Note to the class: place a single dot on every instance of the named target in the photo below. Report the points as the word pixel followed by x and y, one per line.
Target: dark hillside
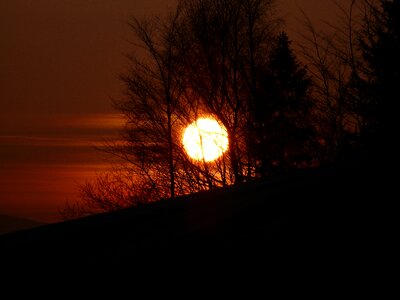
pixel 327 215
pixel 11 223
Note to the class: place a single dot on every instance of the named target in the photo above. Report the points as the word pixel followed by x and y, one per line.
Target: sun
pixel 205 139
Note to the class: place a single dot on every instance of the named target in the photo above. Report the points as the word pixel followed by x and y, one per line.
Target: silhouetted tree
pixel 210 57
pixel 334 64
pixel 150 106
pixel 355 72
pixel 159 104
pixel 380 84
pixel 228 41
pixel 281 112
pixel 158 107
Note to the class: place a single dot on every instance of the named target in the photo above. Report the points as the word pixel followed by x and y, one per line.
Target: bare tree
pixel 208 58
pixel 335 64
pixel 151 102
pixel 228 41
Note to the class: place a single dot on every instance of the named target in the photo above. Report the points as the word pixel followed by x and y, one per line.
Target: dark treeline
pixel 326 103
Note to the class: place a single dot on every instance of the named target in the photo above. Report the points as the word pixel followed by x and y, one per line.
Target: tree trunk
pixel 170 151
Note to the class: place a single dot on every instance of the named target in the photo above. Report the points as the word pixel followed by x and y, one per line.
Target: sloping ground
pixel 11 223
pixel 326 215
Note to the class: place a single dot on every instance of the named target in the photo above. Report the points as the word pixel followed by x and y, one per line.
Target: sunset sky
pixel 59 67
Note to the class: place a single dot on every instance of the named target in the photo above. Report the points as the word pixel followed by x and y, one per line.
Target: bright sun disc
pixel 205 139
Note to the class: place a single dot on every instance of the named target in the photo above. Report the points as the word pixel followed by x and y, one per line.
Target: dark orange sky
pixel 59 67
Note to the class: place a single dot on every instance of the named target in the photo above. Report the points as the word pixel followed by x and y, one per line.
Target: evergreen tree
pixel 380 44
pixel 281 112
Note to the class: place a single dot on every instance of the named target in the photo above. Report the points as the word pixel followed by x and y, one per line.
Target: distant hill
pixel 10 224
pixel 326 217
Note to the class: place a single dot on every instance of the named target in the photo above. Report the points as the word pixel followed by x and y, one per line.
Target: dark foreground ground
pixel 329 217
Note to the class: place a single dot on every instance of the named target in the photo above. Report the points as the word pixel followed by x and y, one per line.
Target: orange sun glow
pixel 205 139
